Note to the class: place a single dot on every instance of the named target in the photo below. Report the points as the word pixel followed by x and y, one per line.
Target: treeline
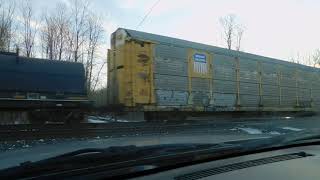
pixel 68 31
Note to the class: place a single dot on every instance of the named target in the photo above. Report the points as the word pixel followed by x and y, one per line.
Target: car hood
pixel 46 150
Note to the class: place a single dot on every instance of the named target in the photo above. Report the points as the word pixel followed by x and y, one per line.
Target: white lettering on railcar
pixel 200 63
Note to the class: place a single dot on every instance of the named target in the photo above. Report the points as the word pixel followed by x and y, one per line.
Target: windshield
pixel 81 74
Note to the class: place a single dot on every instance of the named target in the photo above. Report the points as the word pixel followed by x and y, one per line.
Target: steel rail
pixel 50 131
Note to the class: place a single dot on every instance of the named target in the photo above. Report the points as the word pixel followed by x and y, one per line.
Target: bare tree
pixel 74 35
pixel 55 32
pixel 296 59
pixel 316 57
pixel 228 24
pixel 308 60
pixel 62 22
pixel 232 31
pixel 239 34
pixel 79 13
pixel 7 10
pixel 68 32
pixel 97 77
pixel 85 38
pixel 29 28
pixel 48 37
pixel 94 36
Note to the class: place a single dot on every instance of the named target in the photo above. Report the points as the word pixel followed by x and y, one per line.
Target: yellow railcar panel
pixel 142 73
pixel 134 73
pixel 111 87
pixel 124 75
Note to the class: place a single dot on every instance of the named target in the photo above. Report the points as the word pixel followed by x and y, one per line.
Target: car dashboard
pixel 294 163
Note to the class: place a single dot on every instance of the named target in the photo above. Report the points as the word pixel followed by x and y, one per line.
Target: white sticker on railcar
pixel 200 63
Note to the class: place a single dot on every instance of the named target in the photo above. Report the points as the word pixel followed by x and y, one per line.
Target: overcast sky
pixel 274 28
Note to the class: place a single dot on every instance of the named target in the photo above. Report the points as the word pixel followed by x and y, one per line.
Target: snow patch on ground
pixel 274 133
pixel 121 120
pixel 26 146
pixel 251 130
pixel 99 119
pixel 292 129
pixel 96 121
pixel 106 119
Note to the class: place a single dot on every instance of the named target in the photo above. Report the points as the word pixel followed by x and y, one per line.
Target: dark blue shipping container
pixel 20 74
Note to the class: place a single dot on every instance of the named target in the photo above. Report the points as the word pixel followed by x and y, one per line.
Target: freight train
pixel 164 76
pixel 38 90
pixel 155 77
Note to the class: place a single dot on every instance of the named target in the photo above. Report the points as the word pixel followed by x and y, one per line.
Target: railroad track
pixel 50 131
